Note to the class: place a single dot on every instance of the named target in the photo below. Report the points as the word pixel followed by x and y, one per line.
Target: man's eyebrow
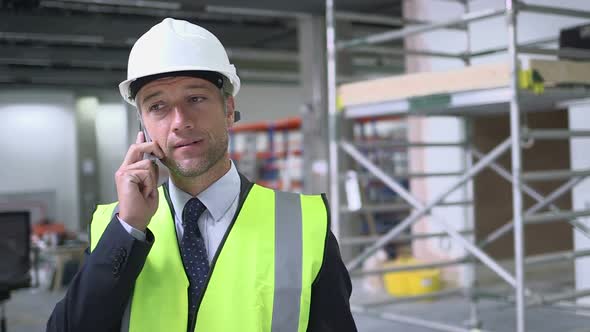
pixel 188 87
pixel 197 86
pixel 155 94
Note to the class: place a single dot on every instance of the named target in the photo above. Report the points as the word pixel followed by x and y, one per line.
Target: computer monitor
pixel 15 246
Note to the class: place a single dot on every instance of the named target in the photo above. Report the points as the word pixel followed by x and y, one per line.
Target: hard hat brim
pixel 126 93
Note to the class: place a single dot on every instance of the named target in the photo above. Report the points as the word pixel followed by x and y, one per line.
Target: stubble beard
pixel 212 157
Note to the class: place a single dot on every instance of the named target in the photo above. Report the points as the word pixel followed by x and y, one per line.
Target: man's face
pixel 185 116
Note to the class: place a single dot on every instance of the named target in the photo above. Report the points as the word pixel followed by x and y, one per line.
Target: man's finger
pixel 136 151
pixel 133 154
pixel 144 164
pixel 143 179
pixel 150 183
pixel 140 137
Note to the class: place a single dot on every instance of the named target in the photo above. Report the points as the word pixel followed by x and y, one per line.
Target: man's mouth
pixel 183 144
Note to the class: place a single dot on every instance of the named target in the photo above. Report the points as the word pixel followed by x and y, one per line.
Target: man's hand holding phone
pixel 137 181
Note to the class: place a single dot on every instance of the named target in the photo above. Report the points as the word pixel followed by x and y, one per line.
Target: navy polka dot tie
pixel 194 253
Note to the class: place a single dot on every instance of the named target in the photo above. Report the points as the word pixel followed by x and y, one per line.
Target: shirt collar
pixel 217 198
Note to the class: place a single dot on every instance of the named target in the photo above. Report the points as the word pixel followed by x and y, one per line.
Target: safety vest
pixel 260 279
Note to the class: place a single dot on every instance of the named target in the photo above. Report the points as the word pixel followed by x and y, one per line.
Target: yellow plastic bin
pixel 411 283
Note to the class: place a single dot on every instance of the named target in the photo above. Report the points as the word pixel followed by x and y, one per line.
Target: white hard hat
pixel 173 46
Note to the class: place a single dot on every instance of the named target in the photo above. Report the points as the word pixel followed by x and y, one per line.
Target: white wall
pixel 111 140
pixel 38 148
pixel 261 102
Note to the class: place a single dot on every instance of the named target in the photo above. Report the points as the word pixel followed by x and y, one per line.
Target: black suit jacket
pixel 97 296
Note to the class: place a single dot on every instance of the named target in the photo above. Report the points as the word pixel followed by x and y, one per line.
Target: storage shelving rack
pixel 270 154
pixel 379 208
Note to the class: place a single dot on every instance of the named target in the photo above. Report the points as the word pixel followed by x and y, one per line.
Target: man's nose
pixel 181 120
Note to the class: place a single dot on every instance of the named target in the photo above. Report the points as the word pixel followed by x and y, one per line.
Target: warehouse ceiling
pixel 86 42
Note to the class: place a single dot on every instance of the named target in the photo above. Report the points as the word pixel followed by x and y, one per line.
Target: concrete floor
pixel 493 315
pixel 28 310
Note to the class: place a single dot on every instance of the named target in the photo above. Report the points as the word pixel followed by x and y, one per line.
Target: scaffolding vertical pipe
pixel 516 158
pixel 332 120
pixel 470 281
pixel 474 321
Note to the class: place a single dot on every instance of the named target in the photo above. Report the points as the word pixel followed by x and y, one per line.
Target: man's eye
pixel 156 107
pixel 196 99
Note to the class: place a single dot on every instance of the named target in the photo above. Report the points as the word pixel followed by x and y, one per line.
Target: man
pixel 208 250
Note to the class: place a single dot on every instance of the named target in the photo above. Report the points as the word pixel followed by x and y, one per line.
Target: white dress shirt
pixel 221 201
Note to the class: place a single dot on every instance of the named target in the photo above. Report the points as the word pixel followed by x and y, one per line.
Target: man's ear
pixel 230 106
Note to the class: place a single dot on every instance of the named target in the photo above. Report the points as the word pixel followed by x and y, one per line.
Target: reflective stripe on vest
pixel 288 252
pixel 260 281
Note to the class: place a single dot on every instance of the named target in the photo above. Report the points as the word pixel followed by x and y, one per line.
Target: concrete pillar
pixel 350 225
pixel 88 179
pixel 312 62
pixel 312 53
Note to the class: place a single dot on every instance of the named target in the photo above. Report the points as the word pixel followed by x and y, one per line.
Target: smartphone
pixel 147 138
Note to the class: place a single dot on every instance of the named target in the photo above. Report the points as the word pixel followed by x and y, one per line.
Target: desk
pixel 62 254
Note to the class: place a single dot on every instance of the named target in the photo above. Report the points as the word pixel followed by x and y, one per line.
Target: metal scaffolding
pixel 500 99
